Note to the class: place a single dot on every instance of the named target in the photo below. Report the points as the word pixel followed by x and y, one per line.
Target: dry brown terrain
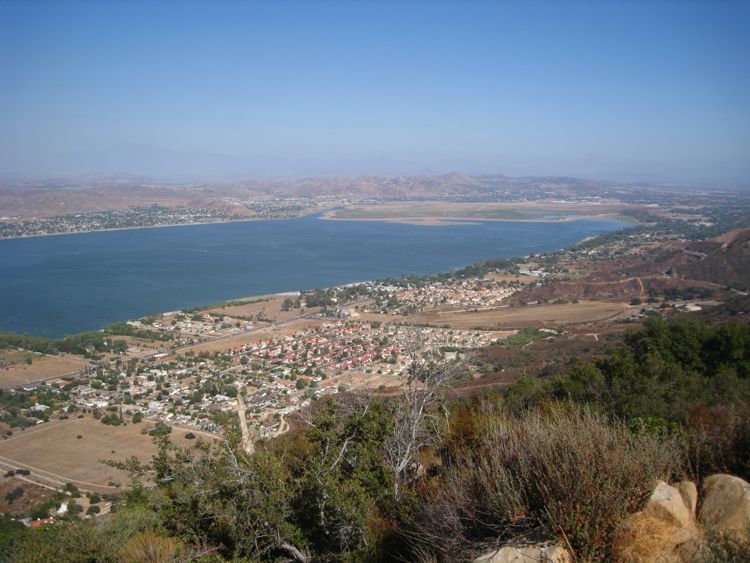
pixel 55 456
pixel 14 369
pixel 510 317
pixel 520 278
pixel 270 307
pixel 33 495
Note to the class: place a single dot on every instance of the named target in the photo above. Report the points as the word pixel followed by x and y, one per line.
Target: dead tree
pixel 419 416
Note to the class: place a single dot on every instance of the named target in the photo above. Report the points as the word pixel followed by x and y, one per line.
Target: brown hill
pixel 723 260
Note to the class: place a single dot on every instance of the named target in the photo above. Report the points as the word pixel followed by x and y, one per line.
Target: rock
pixel 726 505
pixel 668 503
pixel 540 553
pixel 689 493
pixel 665 530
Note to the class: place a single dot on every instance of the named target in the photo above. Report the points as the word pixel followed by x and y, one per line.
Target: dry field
pixel 270 307
pixel 33 495
pixel 510 317
pixel 138 347
pixel 221 344
pixel 359 381
pixel 55 456
pixel 520 278
pixel 14 369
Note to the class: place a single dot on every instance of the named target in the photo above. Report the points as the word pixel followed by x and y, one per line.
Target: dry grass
pixel 506 317
pixel 270 307
pixel 520 278
pixel 147 547
pixel 33 495
pixel 643 537
pixel 56 456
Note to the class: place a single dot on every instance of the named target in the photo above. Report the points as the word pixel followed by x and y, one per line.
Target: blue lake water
pixel 51 286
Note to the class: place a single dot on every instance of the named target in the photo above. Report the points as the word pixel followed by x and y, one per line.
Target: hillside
pixel 724 260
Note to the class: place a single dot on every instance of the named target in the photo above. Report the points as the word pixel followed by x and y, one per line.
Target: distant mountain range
pixel 29 197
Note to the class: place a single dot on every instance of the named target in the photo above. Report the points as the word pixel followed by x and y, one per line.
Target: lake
pixel 51 286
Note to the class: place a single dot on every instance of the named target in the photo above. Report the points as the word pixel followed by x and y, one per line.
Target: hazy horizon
pixel 632 92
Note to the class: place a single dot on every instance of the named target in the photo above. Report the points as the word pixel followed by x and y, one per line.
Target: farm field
pixel 55 456
pixel 510 317
pixel 15 369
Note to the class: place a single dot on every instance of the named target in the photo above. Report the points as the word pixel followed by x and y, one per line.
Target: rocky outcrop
pixel 666 530
pixel 537 553
pixel 725 505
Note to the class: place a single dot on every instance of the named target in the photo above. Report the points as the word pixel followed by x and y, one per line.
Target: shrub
pixel 718 439
pixel 721 547
pixel 14 495
pixel 93 509
pixel 561 469
pixel 190 436
pixel 160 429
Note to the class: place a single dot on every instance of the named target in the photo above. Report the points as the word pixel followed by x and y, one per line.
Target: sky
pixel 627 91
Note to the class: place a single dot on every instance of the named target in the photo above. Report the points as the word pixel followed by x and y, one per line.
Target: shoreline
pixel 329 214
pixel 164 226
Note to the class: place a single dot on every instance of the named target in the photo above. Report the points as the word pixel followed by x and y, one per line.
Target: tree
pixel 72 489
pixel 160 429
pixel 418 416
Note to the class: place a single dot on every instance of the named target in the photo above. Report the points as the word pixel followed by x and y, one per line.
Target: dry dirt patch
pixel 270 307
pixel 54 454
pixel 33 495
pixel 15 369
pixel 510 317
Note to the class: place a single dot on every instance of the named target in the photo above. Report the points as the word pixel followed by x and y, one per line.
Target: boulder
pixel 665 530
pixel 538 553
pixel 669 504
pixel 689 493
pixel 726 505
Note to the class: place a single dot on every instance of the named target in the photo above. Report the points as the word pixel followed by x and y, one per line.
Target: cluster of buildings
pixel 473 293
pixel 143 216
pixel 276 376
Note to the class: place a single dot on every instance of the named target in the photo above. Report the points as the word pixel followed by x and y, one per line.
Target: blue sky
pixel 635 90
